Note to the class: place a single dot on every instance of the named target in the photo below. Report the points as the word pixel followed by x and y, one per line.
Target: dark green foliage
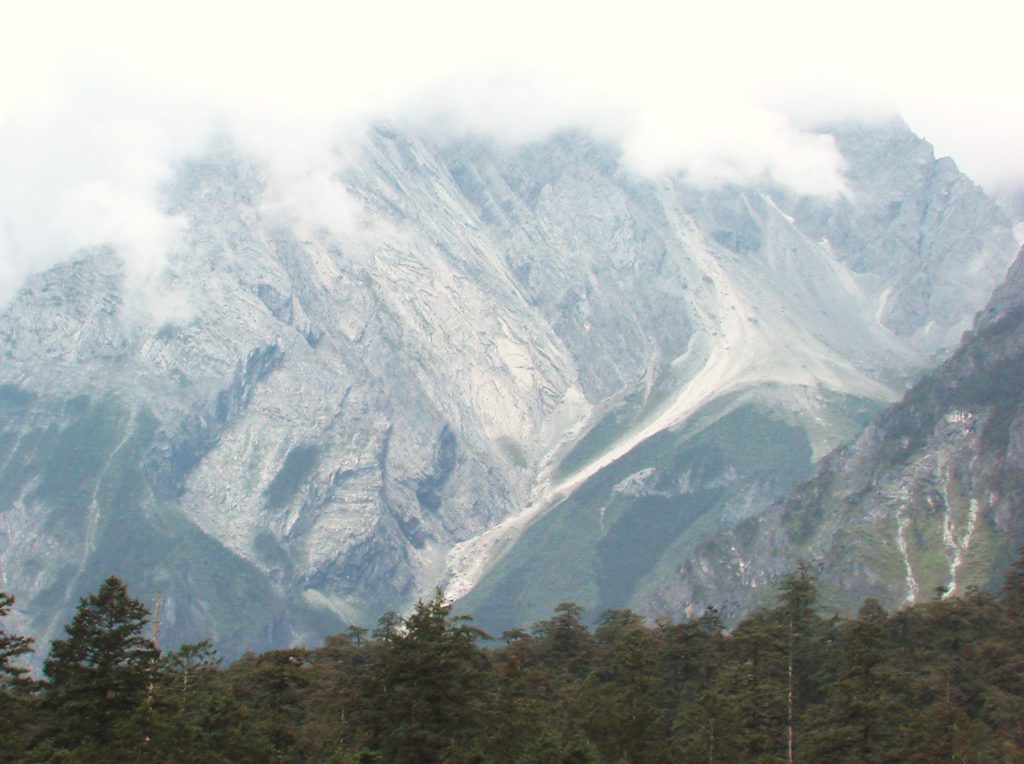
pixel 943 732
pixel 100 674
pixel 565 640
pixel 941 681
pixel 276 684
pixel 604 559
pixel 13 685
pixel 11 647
pixel 430 677
pixel 622 705
pixel 709 731
pixel 861 711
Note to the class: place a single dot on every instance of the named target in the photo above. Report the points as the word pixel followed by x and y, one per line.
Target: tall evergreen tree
pixel 709 731
pixel 102 671
pixel 620 701
pixel 943 732
pixel 431 679
pixel 797 597
pixel 13 708
pixel 752 683
pixel 11 646
pixel 563 640
pixel 866 704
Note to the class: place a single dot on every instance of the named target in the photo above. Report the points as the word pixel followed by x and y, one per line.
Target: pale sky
pixel 99 100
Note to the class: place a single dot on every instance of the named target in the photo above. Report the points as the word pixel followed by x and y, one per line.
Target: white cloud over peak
pixel 98 101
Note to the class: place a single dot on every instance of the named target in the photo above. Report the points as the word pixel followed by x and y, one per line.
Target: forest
pixel 937 681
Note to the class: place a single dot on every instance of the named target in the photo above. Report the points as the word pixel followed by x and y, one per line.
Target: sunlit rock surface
pixel 293 431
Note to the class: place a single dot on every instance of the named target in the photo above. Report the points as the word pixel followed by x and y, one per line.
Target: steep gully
pixel 741 348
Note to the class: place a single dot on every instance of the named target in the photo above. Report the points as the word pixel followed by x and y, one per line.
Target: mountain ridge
pixel 329 413
pixel 932 489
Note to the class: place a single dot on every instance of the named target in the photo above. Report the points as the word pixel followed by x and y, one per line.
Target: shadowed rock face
pixel 928 499
pixel 308 439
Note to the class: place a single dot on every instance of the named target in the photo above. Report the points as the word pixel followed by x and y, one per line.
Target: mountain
pixel 749 425
pixel 927 501
pixel 299 429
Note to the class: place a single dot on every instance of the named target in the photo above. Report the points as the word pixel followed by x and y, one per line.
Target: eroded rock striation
pixel 299 429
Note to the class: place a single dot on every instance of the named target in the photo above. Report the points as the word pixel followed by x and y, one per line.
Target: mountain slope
pixel 930 497
pixel 308 428
pixel 784 314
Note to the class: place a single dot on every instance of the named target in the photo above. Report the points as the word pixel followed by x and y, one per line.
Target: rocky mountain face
pixel 299 430
pixel 928 501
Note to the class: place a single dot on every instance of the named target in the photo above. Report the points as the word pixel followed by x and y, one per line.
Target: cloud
pixel 85 169
pixel 736 142
pixel 99 101
pixel 309 201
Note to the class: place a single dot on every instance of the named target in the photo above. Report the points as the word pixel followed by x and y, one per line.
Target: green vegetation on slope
pixel 941 681
pixel 78 466
pixel 629 413
pixel 600 544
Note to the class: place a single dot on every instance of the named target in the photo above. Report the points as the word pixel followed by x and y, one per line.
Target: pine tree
pixel 865 706
pixel 432 681
pixel 13 708
pixel 618 703
pixel 101 672
pixel 276 684
pixel 770 672
pixel 797 597
pixel 564 641
pixel 708 731
pixel 11 646
pixel 752 681
pixel 943 732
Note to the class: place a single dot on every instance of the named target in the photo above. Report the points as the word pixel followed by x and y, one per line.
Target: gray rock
pixel 294 431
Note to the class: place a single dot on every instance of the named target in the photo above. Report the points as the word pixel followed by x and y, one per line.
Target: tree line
pixel 938 681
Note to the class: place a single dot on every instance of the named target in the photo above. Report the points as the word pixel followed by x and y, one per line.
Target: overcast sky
pixel 98 100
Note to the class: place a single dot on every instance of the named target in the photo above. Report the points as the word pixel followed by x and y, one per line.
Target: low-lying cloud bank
pixel 101 101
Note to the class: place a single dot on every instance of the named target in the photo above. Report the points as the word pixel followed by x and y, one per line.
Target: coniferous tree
pixel 691 654
pixel 13 705
pixel 752 682
pixel 1004 691
pixel 709 731
pixel 430 679
pixel 388 626
pixel 938 681
pixel 621 700
pixel 771 670
pixel 522 717
pixel 194 716
pixel 103 670
pixel 564 641
pixel 11 646
pixel 797 598
pixel 866 702
pixel 274 686
pixel 943 732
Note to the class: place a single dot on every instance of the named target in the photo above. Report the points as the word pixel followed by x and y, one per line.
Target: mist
pixel 100 102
